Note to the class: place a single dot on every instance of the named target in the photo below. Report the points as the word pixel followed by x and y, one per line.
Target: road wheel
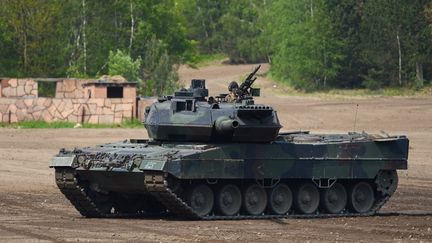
pixel 307 198
pixel 280 199
pixel 334 199
pixel 361 197
pixel 255 199
pixel 229 200
pixel 200 199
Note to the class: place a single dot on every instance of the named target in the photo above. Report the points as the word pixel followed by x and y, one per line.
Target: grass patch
pixel 286 89
pixel 127 123
pixel 203 60
pixel 283 87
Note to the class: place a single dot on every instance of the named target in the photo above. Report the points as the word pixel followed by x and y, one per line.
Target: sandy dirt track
pixel 32 208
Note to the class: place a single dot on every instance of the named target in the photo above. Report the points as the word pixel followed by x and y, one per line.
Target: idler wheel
pixel 307 198
pixel 254 199
pixel 361 197
pixel 280 199
pixel 201 199
pixel 334 199
pixel 229 200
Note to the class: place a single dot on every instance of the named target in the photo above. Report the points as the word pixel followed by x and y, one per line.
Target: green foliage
pixel 230 27
pixel 314 44
pixel 307 53
pixel 326 43
pixel 158 71
pixel 74 38
pixel 120 63
pixel 28 43
pixel 241 31
pixel 395 36
pixel 202 19
pixel 46 89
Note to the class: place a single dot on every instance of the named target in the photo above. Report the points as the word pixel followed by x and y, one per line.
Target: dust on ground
pixel 32 208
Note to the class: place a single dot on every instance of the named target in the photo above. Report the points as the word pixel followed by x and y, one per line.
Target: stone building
pixel 104 89
pixel 72 100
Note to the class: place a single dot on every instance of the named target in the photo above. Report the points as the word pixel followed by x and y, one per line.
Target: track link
pixel 157 186
pixel 77 194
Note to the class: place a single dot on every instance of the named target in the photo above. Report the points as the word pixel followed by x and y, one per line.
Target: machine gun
pixel 245 87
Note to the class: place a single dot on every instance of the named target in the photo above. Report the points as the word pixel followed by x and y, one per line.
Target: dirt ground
pixel 32 208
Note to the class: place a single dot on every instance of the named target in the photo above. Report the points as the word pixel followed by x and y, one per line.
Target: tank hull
pixel 171 172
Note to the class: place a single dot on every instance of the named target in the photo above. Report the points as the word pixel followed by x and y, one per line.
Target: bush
pixel 120 63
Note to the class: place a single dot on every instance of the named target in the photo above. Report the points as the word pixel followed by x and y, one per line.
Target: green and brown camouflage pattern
pixel 199 142
pixel 293 156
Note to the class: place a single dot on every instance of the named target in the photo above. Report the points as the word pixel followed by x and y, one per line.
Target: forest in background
pixel 310 44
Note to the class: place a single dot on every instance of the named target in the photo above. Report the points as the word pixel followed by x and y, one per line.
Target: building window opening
pixel 114 92
pixel 46 89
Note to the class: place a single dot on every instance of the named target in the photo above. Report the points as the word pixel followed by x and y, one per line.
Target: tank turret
pixel 190 115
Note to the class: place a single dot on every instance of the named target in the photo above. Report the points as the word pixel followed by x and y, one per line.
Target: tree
pixel 120 63
pixel 394 42
pixel 306 52
pixel 203 22
pixel 158 70
pixel 9 56
pixel 346 17
pixel 41 48
pixel 241 32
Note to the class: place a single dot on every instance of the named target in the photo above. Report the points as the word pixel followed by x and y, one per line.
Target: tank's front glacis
pixel 190 116
pixel 117 167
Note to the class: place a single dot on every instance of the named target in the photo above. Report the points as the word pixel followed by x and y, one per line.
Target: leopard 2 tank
pixel 224 158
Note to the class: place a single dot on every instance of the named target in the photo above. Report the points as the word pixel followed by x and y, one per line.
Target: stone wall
pixel 95 111
pixel 70 88
pixel 19 101
pixel 18 88
pixel 142 104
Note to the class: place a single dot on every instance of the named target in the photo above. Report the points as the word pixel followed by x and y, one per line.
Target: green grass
pixel 285 89
pixel 391 91
pixel 127 123
pixel 203 60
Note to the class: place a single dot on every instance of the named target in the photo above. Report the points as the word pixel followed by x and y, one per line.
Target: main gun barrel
pixel 225 124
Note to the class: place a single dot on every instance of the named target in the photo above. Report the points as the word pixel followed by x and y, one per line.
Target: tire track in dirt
pixel 32 235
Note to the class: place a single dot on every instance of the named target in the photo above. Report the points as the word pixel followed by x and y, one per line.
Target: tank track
pixel 77 194
pixel 157 186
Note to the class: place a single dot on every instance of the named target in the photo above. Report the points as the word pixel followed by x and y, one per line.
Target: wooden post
pixel 9 118
pixel 83 116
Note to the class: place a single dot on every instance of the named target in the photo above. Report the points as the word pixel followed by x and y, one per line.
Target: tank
pixel 223 157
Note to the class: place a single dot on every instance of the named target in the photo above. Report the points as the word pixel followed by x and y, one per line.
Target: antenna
pixel 355 119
